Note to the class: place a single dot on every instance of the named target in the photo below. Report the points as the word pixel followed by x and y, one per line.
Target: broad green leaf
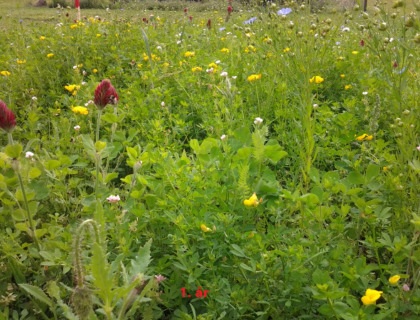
pixel 102 278
pixel 314 175
pixel 355 177
pixel 34 173
pixel 132 152
pixel 274 153
pixel 140 264
pixel 52 164
pixel 372 172
pixel 244 266
pixel 111 176
pixel 415 165
pixel 13 151
pixel 109 117
pixel 37 293
pixel 243 135
pixel 194 145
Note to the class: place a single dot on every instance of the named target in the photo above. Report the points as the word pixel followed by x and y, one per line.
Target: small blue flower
pixel 284 11
pixel 221 29
pixel 122 9
pixel 338 43
pixel 402 70
pixel 250 20
pixel 21 21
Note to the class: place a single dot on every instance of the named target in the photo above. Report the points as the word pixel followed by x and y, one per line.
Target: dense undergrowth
pixel 318 117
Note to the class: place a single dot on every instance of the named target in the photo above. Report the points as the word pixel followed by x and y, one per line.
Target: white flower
pixel 86 104
pixel 178 42
pixel 392 39
pixel 28 47
pixel 316 35
pixel 162 104
pixel 248 35
pixel 77 128
pixel 74 67
pixel 346 29
pixel 83 83
pixel 113 199
pixel 234 77
pixel 84 72
pixel 34 98
pixel 209 70
pixel 29 155
pixel 229 33
pixel 218 61
pixel 223 137
pixel 223 74
pixel 176 36
pixel 315 106
pixel 365 93
pixel 258 120
pixel 159 48
pixel 107 9
pixel 91 102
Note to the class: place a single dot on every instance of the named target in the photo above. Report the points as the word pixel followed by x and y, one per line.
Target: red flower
pixel 395 64
pixel 362 43
pixel 209 24
pixel 185 10
pixel 229 10
pixel 7 118
pixel 190 18
pixel 105 94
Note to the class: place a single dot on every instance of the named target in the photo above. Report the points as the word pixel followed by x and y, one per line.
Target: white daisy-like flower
pixel 258 120
pixel 34 98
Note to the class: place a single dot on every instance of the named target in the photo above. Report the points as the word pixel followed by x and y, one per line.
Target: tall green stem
pixel 98 124
pixel 28 213
pixel 10 138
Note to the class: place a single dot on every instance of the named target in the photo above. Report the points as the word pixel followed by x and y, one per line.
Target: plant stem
pixel 98 159
pixel 98 124
pixel 10 138
pixel 25 201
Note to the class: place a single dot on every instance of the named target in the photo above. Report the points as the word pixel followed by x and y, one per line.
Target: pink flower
pixel 190 17
pixel 223 137
pixel 160 278
pixel 229 10
pixel 7 118
pixel 105 93
pixel 418 148
pixel 185 10
pixel 362 43
pixel 113 199
pixel 77 128
pixel 405 287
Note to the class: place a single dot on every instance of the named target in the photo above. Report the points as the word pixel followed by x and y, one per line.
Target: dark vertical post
pixel 365 6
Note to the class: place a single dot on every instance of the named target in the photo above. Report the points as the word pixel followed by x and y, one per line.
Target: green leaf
pixel 101 274
pixel 194 145
pixel 314 175
pixel 132 152
pixel 17 273
pixel 355 177
pixel 19 215
pixel 237 251
pixel 88 144
pixel 274 153
pixel 415 165
pixel 13 151
pixel 140 264
pixel 243 135
pixel 109 117
pixel 34 172
pixel 244 266
pixel 372 172
pixel 37 293
pixel 111 176
pixel 52 164
pixel 326 310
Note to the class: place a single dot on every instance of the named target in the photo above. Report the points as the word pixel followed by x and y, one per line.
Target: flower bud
pixel 137 166
pixel 406 112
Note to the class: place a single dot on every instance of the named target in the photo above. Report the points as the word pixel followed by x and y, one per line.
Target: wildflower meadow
pixel 209 161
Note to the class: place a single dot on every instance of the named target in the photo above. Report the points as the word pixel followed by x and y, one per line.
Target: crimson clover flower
pixel 7 118
pixel 105 94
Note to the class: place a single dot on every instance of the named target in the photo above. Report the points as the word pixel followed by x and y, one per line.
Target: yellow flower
pixel 189 54
pixel 20 61
pixel 41 38
pixel 248 35
pixel 215 12
pixel 73 26
pixel 393 280
pixel 252 201
pixel 81 110
pixel 254 77
pixel 165 64
pixel 342 76
pixel 213 65
pixel 251 235
pixel 364 137
pixel 98 34
pixel 205 229
pixel 196 69
pixel 71 87
pixel 50 55
pixel 385 169
pixel 95 70
pixel 225 50
pixel 347 87
pixel 355 52
pixel 116 34
pixel 339 58
pixel 5 73
pixel 139 65
pixel 371 296
pixel 316 79
pixel 223 39
pixel 286 50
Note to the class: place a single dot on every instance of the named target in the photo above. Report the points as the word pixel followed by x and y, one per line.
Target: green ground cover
pixel 265 164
